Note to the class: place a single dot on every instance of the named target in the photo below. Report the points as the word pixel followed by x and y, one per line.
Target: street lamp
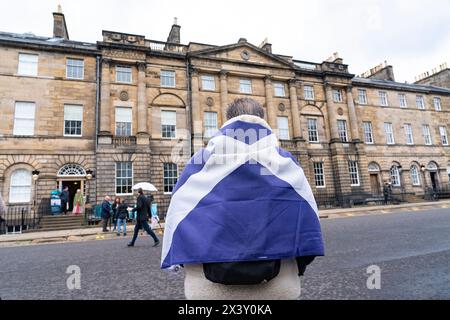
pixel 35 175
pixel 424 169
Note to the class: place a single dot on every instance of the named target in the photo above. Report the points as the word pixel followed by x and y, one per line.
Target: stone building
pixel 128 109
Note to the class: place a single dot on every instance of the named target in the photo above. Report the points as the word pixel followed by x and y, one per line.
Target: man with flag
pixel 242 220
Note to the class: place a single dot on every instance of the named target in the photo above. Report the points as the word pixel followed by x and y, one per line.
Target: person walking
pixel 387 192
pixel 106 212
pixel 115 207
pixel 78 203
pixel 142 209
pixel 121 217
pixel 64 196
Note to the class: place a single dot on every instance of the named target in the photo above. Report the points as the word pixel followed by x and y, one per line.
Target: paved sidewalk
pixel 97 234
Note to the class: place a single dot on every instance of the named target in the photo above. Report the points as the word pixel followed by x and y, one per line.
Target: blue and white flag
pixel 242 198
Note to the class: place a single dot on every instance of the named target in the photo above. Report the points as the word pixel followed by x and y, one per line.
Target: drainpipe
pixel 189 114
pixel 97 110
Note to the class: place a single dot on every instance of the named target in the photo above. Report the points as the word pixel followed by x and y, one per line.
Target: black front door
pixel 73 187
pixel 433 180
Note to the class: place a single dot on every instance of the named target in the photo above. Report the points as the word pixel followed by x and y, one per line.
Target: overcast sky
pixel 412 35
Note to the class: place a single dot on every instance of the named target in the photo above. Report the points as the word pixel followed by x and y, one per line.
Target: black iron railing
pixel 328 200
pixel 20 218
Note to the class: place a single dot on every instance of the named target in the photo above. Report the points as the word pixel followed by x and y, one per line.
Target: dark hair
pixel 117 198
pixel 242 106
pixel 140 191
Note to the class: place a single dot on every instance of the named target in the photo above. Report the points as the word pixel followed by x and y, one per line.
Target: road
pixel 412 250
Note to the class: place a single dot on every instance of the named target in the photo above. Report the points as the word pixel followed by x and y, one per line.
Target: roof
pixel 399 85
pixel 31 39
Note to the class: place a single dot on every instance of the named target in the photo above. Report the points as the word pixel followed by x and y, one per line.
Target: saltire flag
pixel 242 198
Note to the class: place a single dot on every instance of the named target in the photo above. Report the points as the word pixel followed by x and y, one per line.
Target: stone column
pixel 354 124
pixel 223 96
pixel 295 111
pixel 196 112
pixel 105 102
pixel 271 113
pixel 332 113
pixel 142 99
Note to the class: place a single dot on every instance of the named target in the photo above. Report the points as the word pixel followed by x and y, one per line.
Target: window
pixel 427 134
pixel 420 102
pixel 24 119
pixel 75 69
pixel 283 128
pixel 448 171
pixel 124 177
pixel 362 96
pixel 342 129
pixel 354 173
pixel 170 177
pixel 308 92
pixel 279 89
pixel 73 119
pixel 167 78
pixel 395 176
pixel 20 186
pixel 383 98
pixel 28 64
pixel 208 83
pixel 437 103
pixel 389 133
pixel 319 176
pixel 313 135
pixel 123 74
pixel 402 100
pixel 368 134
pixel 245 86
pixel 168 124
pixel 210 124
pixel 415 178
pixel 124 119
pixel 443 133
pixel 409 134
pixel 337 95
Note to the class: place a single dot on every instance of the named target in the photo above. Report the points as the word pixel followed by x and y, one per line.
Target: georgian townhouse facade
pixel 127 109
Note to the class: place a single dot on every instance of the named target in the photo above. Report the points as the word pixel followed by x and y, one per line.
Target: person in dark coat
pixel 121 217
pixel 106 213
pixel 387 192
pixel 64 196
pixel 115 207
pixel 143 206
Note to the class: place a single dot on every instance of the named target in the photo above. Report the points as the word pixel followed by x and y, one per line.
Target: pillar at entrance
pixel 271 114
pixel 105 136
pixel 352 115
pixel 142 119
pixel 197 122
pixel 332 113
pixel 295 111
pixel 223 96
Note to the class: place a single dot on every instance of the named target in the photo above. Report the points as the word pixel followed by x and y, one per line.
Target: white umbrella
pixel 145 186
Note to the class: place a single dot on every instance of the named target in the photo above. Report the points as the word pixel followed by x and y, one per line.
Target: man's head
pixel 140 191
pixel 66 188
pixel 108 198
pixel 241 106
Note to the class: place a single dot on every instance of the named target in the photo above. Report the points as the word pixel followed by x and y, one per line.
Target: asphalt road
pixel 412 251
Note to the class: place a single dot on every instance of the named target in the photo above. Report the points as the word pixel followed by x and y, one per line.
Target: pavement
pixel 411 250
pixel 95 233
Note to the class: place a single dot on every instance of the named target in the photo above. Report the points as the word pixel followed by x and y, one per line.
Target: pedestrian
pixel 115 207
pixel 122 216
pixel 242 219
pixel 387 192
pixel 78 203
pixel 2 214
pixel 106 212
pixel 64 196
pixel 142 210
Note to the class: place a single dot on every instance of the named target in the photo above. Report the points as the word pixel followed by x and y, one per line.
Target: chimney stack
pixel 59 25
pixel 174 35
pixel 266 46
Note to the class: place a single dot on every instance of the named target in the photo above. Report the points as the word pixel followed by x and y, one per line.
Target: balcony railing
pixel 124 140
pixel 166 46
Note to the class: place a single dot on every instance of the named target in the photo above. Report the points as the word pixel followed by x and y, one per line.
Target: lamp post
pixel 89 176
pixel 424 169
pixel 35 175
